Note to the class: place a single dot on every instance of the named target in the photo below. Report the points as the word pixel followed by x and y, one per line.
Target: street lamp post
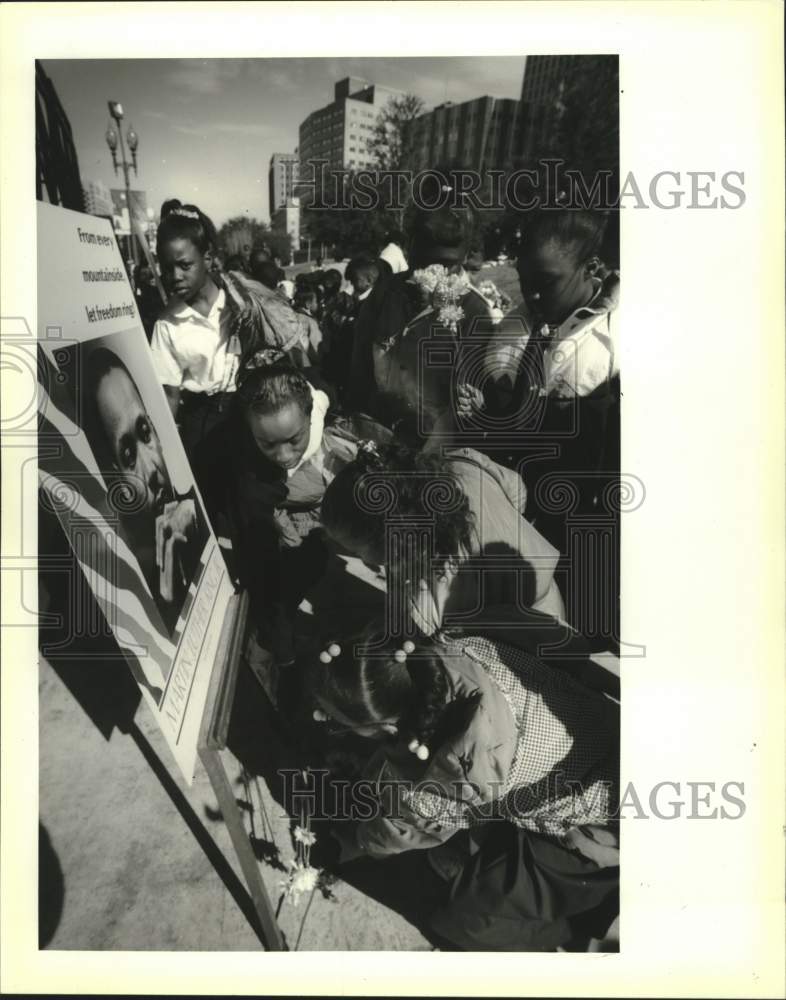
pixel 112 139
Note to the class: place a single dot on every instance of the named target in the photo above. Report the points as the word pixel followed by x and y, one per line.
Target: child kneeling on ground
pixel 478 732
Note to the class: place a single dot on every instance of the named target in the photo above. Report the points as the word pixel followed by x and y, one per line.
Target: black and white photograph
pixel 345 575
pixel 397 381
pixel 166 533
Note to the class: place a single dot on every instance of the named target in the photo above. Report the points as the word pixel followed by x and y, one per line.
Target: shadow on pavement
pixel 51 888
pixel 261 738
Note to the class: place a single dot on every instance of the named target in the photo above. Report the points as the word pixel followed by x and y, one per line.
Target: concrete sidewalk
pixel 146 862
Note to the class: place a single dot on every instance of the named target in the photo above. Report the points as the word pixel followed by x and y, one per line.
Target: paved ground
pixel 135 860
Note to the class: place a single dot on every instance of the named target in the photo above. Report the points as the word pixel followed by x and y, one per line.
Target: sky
pixel 208 127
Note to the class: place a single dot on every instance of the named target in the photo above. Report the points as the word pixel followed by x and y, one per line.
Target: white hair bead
pixel 400 656
pixel 413 745
pixel 422 752
pixel 334 649
pixel 325 656
pixel 409 646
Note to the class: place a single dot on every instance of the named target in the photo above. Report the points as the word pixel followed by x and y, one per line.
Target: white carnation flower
pixel 302 878
pixel 305 837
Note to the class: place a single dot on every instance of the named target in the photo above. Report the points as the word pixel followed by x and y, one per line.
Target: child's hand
pixel 286 529
pixel 423 609
pixel 597 843
pixel 427 602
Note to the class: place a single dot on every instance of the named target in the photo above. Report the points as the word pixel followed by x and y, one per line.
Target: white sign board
pixel 113 469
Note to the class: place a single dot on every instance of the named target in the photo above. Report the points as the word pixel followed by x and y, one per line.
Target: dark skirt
pixel 524 892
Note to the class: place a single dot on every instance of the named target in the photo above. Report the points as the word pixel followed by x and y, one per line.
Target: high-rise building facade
pixel 282 177
pixel 339 132
pixel 475 134
pixel 286 219
pixel 120 212
pixel 544 75
pixel 547 79
pixel 97 198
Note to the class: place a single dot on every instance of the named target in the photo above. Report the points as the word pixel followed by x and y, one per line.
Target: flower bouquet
pixel 444 291
pixel 301 877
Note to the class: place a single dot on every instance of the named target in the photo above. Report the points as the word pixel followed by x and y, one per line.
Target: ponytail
pixel 434 714
pixel 371 681
pixel 187 222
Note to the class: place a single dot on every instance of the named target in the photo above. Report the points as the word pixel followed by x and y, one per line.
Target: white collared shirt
pixel 191 351
pixel 394 256
pixel 582 354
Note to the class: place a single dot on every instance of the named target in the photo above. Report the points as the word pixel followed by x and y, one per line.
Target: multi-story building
pixel 97 198
pixel 475 134
pixel 339 132
pixel 281 178
pixel 286 219
pixel 120 213
pixel 547 79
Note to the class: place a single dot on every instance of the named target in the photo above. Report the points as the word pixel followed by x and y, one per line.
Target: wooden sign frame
pixel 210 749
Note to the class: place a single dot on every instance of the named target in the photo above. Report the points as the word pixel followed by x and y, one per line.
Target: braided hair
pixel 267 382
pixel 368 684
pixel 413 486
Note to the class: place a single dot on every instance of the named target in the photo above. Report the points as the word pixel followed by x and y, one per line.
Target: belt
pixel 215 394
pixel 191 400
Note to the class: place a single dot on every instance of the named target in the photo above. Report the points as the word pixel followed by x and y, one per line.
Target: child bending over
pixel 477 733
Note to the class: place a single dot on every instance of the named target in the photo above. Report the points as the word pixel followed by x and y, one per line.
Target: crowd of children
pixel 378 421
